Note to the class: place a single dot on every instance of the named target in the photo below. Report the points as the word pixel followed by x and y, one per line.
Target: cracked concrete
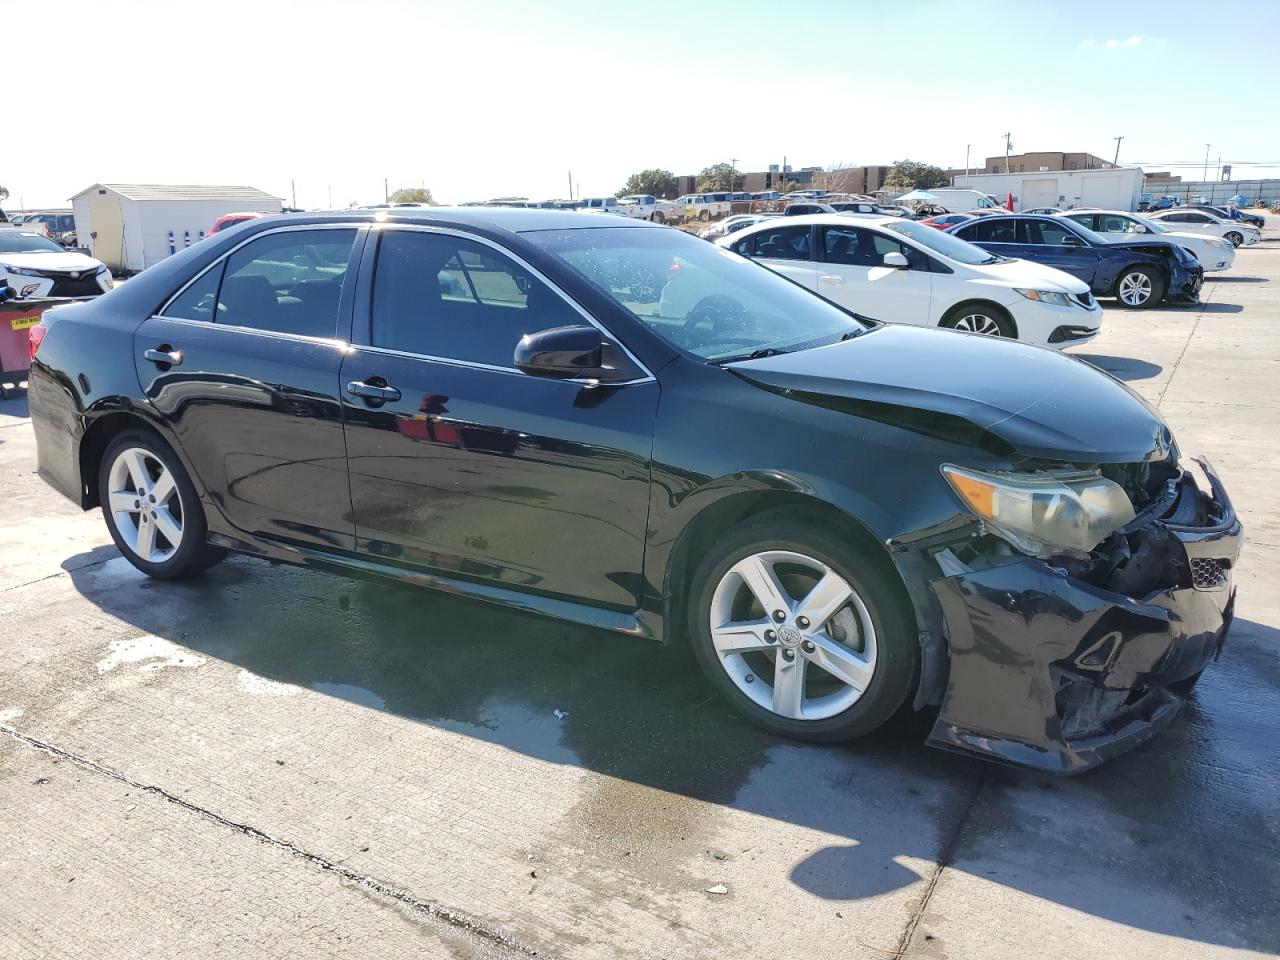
pixel 282 762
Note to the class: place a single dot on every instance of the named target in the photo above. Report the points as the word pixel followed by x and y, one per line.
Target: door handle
pixel 372 391
pixel 827 278
pixel 164 355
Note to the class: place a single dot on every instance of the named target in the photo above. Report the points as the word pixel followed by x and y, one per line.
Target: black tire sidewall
pixel 194 555
pixel 1001 317
pixel 897 644
pixel 1157 287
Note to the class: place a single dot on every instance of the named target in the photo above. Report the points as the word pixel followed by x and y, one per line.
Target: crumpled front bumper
pixel 1051 672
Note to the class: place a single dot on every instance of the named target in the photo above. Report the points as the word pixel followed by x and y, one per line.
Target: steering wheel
pixel 715 313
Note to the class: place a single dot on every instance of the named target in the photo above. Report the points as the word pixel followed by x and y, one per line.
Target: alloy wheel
pixel 144 504
pixel 793 635
pixel 978 323
pixel 1135 289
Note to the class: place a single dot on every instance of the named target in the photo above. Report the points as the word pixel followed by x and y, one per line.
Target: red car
pixel 944 220
pixel 230 220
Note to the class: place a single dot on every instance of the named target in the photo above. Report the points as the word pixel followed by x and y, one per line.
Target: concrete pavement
pixel 280 762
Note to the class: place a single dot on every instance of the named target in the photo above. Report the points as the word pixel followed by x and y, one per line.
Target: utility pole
pixel 966 160
pixel 1116 161
pixel 293 192
pixel 570 184
pixel 733 174
pixel 1205 175
pixel 1008 145
pixel 386 191
pixel 331 196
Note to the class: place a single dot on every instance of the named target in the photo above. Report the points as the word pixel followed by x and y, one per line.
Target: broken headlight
pixel 1044 514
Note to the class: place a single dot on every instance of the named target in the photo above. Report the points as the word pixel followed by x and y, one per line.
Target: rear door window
pixel 456 299
pixel 287 282
pixel 991 230
pixel 782 243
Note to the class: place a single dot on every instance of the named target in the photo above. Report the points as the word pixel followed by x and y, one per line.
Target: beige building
pixel 1044 162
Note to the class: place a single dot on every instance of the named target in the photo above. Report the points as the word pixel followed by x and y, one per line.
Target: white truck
pixel 962 200
pixel 603 205
pixel 644 206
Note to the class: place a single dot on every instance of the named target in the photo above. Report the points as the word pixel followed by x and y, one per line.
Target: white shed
pixel 1111 188
pixel 131 226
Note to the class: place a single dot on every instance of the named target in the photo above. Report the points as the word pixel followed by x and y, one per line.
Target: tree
pixel 911 175
pixel 719 178
pixel 413 195
pixel 658 183
pixel 4 193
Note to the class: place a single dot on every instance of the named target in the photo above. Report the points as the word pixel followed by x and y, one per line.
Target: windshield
pixel 933 239
pixel 701 298
pixel 11 241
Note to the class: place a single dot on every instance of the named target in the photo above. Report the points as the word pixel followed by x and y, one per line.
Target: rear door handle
pixel 372 391
pixel 827 278
pixel 172 358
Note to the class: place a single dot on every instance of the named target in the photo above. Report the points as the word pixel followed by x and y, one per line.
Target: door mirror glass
pixel 895 260
pixel 1070 240
pixel 573 352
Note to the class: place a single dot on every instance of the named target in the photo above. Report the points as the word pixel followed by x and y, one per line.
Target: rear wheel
pixel 659 217
pixel 1235 238
pixel 704 215
pixel 151 508
pixel 801 631
pixel 1139 288
pixel 981 318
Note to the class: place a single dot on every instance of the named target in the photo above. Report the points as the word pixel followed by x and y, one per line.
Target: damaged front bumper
pixel 1051 671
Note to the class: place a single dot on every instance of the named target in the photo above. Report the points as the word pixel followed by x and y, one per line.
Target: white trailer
pixel 1111 188
pixel 132 226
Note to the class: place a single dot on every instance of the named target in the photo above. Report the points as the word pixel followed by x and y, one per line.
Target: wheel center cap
pixel 789 636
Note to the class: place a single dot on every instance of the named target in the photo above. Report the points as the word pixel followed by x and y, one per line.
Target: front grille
pixel 1063 334
pixel 64 286
pixel 1084 299
pixel 1208 573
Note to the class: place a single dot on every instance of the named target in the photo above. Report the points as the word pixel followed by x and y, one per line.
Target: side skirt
pixel 615 622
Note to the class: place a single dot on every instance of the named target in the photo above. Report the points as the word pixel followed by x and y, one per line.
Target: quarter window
pixel 196 302
pixel 444 296
pixel 287 282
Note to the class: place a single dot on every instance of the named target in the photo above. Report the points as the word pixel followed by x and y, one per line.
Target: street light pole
pixel 733 174
pixel 1008 144
pixel 1116 161
pixel 966 161
pixel 1205 175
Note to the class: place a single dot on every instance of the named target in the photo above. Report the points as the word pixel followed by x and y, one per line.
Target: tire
pixel 985 319
pixel 704 215
pixel 877 617
pixel 659 217
pixel 176 512
pixel 1235 238
pixel 1139 288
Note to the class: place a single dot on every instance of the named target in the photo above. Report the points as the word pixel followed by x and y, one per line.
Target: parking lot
pixel 275 761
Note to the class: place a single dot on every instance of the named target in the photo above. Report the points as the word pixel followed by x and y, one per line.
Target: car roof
pixel 829 219
pixel 510 219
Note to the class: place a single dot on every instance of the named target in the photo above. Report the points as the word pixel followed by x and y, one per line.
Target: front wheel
pixel 151 508
pixel 1139 288
pixel 981 318
pixel 801 631
pixel 1235 237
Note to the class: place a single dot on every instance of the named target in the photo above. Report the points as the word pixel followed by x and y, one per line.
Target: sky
pixel 483 98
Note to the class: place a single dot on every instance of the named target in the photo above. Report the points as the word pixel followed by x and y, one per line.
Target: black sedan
pixel 841 516
pixel 1139 273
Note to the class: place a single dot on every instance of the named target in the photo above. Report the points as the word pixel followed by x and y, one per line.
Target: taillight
pixel 35 336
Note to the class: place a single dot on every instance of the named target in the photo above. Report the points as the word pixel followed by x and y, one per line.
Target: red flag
pixel 1008 204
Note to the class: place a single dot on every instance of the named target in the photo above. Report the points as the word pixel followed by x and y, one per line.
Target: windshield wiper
pixel 753 355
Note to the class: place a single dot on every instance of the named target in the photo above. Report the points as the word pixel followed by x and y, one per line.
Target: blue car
pixel 1139 273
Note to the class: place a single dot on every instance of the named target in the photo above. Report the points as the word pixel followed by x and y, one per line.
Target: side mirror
pixel 574 352
pixel 8 293
pixel 1071 240
pixel 896 260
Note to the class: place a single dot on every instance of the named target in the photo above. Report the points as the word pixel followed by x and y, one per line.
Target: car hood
pixel 1143 245
pixel 1040 402
pixel 1030 275
pixel 61 262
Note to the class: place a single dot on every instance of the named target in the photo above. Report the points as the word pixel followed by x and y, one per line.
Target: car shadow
pixel 1216 279
pixel 14 408
pixel 638 712
pixel 1122 368
pixel 1212 307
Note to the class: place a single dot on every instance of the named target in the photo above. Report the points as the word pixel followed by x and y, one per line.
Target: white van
pixel 961 200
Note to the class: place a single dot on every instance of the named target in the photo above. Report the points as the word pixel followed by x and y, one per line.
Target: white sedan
pixel 1197 221
pixel 35 266
pixel 1214 253
pixel 903 271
